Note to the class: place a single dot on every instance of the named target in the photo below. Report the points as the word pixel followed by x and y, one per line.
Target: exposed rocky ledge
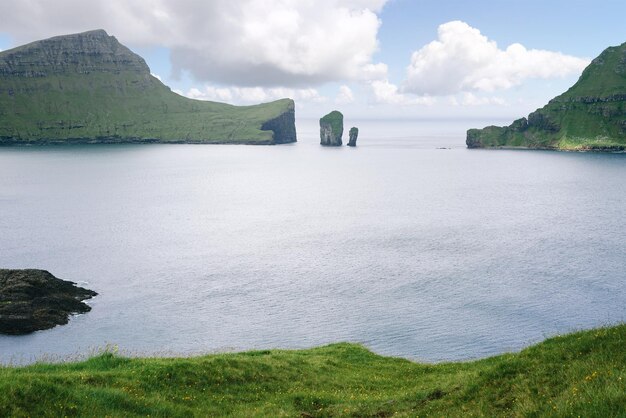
pixel 32 300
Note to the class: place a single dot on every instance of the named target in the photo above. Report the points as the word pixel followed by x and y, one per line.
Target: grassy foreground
pixel 581 374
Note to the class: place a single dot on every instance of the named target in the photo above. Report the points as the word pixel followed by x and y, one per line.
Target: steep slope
pixel 88 87
pixel 591 115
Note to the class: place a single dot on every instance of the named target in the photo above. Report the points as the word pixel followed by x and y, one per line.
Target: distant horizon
pixel 368 58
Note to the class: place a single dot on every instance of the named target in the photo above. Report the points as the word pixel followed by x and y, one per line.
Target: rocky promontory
pixel 590 116
pixel 89 88
pixel 331 129
pixel 32 300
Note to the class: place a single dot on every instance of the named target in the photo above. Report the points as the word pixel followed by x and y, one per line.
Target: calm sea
pixel 414 251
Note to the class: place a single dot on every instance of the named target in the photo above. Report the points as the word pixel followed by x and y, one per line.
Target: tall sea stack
pixel 331 129
pixel 354 134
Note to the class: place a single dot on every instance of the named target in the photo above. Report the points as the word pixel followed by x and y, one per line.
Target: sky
pixel 367 58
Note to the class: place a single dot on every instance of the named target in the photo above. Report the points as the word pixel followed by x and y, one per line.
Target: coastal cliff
pixel 590 116
pixel 89 88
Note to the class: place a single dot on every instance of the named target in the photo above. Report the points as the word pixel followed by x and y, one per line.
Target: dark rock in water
pixel 32 300
pixel 331 129
pixel 354 133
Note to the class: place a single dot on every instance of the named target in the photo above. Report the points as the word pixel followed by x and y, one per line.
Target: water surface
pixel 425 253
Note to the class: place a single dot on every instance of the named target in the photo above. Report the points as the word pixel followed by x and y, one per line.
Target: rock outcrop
pixel 32 300
pixel 354 134
pixel 331 129
pixel 89 88
pixel 590 116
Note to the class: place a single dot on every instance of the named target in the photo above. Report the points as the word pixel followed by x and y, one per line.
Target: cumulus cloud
pixel 464 60
pixel 345 95
pixel 385 92
pixel 246 95
pixel 243 42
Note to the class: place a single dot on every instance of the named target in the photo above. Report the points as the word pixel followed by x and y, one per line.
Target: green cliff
pixel 89 88
pixel 591 115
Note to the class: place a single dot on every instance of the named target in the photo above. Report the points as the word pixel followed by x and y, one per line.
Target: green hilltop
pixel 591 115
pixel 87 87
pixel 582 374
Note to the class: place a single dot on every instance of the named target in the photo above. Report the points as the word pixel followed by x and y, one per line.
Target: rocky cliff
pixel 89 88
pixel 591 115
pixel 331 129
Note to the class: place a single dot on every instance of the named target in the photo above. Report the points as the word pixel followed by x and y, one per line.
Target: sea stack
pixel 331 129
pixel 354 134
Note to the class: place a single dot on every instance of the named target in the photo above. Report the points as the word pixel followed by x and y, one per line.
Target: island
pixel 590 116
pixel 32 300
pixel 89 88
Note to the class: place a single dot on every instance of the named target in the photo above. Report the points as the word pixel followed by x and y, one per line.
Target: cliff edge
pixel 89 88
pixel 590 116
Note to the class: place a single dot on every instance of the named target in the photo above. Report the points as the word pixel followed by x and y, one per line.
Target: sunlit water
pixel 415 251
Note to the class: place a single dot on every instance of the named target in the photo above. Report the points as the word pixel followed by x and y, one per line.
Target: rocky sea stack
pixel 354 134
pixel 89 88
pixel 32 300
pixel 590 116
pixel 331 129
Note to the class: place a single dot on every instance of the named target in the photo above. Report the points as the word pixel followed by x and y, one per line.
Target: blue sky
pixel 368 58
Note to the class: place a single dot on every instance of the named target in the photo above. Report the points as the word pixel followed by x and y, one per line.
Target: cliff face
pixel 283 126
pixel 591 115
pixel 83 53
pixel 88 87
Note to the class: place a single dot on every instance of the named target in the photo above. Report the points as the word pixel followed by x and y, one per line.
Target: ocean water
pixel 412 250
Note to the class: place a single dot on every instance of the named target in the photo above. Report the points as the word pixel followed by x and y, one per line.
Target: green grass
pixel 581 374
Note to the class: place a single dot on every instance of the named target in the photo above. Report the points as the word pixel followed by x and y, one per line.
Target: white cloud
pixel 464 60
pixel 158 77
pixel 344 96
pixel 243 42
pixel 247 95
pixel 385 92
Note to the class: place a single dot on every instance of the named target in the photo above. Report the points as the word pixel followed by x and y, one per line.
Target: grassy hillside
pixel 89 88
pixel 582 374
pixel 591 115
